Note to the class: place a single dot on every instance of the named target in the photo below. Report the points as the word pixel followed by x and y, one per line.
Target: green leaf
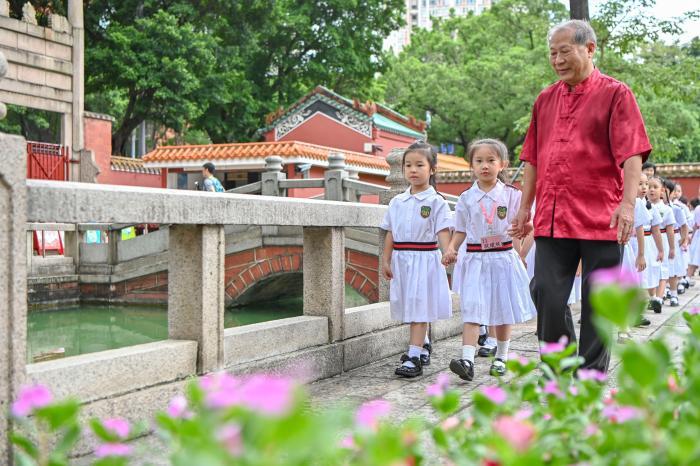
pixel 59 414
pixel 25 444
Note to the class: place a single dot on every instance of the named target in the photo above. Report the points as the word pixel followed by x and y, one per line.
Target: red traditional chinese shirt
pixel 578 141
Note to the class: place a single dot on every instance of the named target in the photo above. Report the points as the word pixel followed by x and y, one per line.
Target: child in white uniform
pixel 677 266
pixel 694 256
pixel 416 221
pixel 653 247
pixel 494 286
pixel 658 197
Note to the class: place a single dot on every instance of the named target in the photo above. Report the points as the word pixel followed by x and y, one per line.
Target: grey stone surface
pixel 13 278
pixel 94 253
pixel 368 348
pixel 267 339
pixel 196 291
pixel 4 8
pixel 106 374
pixel 84 203
pixel 368 318
pixel 145 245
pixel 29 14
pixel 324 277
pixel 51 266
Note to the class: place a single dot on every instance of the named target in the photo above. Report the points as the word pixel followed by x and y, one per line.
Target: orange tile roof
pixel 284 149
pixel 127 164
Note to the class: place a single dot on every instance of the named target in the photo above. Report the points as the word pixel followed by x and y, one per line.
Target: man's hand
pixel 521 226
pixel 623 219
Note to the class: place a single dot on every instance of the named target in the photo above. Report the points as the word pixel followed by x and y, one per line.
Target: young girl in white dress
pixel 653 247
pixel 694 250
pixel 494 286
pixel 658 196
pixel 677 265
pixel 417 220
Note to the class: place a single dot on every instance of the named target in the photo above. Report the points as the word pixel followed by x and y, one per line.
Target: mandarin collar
pixel 421 196
pixel 494 194
pixel 584 85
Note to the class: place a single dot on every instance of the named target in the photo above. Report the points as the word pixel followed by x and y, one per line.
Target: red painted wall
pixel 98 138
pixel 324 131
pixel 390 141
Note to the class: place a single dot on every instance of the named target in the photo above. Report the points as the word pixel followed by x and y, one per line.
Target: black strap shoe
pixel 486 352
pixel 463 368
pixel 425 358
pixel 406 371
pixel 643 322
pixel 482 338
pixel 498 368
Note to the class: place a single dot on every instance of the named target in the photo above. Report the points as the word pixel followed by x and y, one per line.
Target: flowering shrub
pixel 547 414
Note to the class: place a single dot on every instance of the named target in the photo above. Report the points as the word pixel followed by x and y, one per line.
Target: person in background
pixel 649 169
pixel 211 183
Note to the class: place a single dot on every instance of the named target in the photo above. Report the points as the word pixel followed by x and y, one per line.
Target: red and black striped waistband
pixel 647 233
pixel 406 246
pixel 678 230
pixel 476 247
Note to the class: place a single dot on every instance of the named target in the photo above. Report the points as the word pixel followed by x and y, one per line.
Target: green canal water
pixel 91 328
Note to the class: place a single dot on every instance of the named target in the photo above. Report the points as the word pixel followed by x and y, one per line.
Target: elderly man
pixel 583 157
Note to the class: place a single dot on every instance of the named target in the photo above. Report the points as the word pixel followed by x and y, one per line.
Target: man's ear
pixel 591 49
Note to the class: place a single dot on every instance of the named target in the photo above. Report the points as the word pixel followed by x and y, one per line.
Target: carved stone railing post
pixel 196 291
pixel 351 195
pixel 333 177
pixel 272 176
pixel 13 274
pixel 324 276
pixel 397 185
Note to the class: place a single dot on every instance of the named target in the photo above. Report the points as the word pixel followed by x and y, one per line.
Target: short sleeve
pixel 628 136
pixel 443 216
pixel 208 185
pixel 529 152
pixel 668 218
pixel 641 215
pixel 697 215
pixel 513 203
pixel 461 215
pixel 655 217
pixel 386 221
pixel 679 216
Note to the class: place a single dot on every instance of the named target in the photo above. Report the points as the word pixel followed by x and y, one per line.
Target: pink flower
pixel 558 347
pixel 348 443
pixel 573 390
pixel 369 414
pixel 267 394
pixel 438 388
pixel 547 417
pixel 117 426
pixel 673 384
pixel 230 436
pixel 694 311
pixel 523 361
pixel 620 276
pixel 494 393
pixel 113 449
pixel 31 398
pixel 449 423
pixel 221 390
pixel 621 414
pixel 591 374
pixel 519 434
pixel 523 414
pixel 177 409
pixel 552 388
pixel 591 429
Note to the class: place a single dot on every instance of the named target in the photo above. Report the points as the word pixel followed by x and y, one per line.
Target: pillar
pixel 324 276
pixel 351 195
pixel 397 185
pixel 334 176
pixel 196 291
pixel 272 176
pixel 71 246
pixel 13 279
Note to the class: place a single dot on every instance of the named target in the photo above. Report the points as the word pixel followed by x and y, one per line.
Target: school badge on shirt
pixel 501 212
pixel 425 211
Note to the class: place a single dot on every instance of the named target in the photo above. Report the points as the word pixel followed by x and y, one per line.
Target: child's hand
pixel 386 271
pixel 449 258
pixel 641 263
pixel 671 253
pixel 660 256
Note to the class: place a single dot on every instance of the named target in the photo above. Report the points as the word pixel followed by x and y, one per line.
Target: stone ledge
pixel 252 342
pixel 369 318
pixel 110 373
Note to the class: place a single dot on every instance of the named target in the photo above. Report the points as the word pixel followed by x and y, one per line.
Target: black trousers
pixel 556 262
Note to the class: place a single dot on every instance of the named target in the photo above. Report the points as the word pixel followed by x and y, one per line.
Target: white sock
pixel 426 340
pixel 502 350
pixel 490 342
pixel 482 330
pixel 468 352
pixel 413 352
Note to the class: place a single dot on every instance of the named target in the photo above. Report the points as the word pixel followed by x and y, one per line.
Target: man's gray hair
pixel 583 32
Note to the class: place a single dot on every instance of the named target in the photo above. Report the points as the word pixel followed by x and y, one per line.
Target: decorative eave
pixel 678 170
pixel 127 164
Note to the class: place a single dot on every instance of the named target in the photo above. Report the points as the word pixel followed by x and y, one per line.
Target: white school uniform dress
pixel 494 288
pixel 652 274
pixel 678 266
pixel 694 258
pixel 688 217
pixel 630 250
pixel 419 290
pixel 667 221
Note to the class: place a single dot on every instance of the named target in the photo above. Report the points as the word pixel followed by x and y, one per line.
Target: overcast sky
pixel 665 9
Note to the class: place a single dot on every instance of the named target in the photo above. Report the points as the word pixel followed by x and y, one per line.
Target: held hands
pixel 386 270
pixel 521 226
pixel 450 257
pixel 623 219
pixel 671 253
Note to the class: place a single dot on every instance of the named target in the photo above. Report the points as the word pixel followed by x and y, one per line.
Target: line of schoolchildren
pixel 489 272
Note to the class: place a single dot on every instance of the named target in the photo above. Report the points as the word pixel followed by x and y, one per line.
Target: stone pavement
pixel 408 398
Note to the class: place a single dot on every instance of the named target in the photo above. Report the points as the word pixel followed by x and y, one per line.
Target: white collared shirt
pixel 469 216
pixel 417 217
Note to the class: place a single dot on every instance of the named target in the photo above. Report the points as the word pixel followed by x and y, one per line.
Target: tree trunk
pixel 579 9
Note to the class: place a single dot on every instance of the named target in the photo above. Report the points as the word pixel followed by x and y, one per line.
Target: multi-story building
pixel 421 13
